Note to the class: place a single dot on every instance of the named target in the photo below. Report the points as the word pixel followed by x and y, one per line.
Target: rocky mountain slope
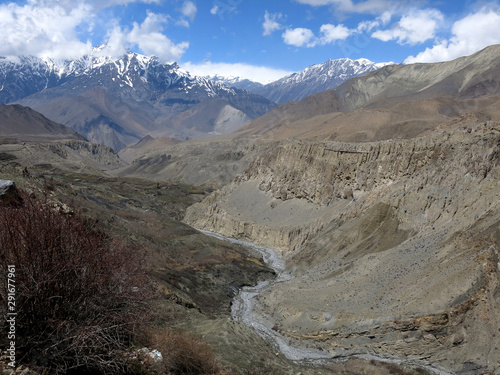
pixel 395 101
pixel 241 83
pixel 418 98
pixel 23 124
pixel 315 79
pixel 30 139
pixel 312 80
pixel 118 101
pixel 209 163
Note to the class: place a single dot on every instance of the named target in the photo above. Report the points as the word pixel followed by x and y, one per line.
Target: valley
pixel 380 200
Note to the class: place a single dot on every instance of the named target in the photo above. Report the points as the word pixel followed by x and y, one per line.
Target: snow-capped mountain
pixel 117 101
pixel 316 78
pixel 34 74
pixel 238 82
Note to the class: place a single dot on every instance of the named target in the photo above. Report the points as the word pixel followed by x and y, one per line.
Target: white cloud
pixel 43 31
pixel 331 33
pixel 298 37
pixel 271 23
pixel 415 27
pixel 382 20
pixel 214 10
pixel 183 23
pixel 189 10
pixel 224 8
pixel 470 34
pixel 117 42
pixel 149 38
pixel 260 74
pixel 348 6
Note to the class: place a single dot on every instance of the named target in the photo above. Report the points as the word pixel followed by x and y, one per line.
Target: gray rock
pixel 6 186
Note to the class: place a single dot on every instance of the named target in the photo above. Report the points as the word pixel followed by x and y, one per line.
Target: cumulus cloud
pixel 43 31
pixel 415 27
pixel 332 33
pixel 148 37
pixel 470 34
pixel 329 34
pixel 224 8
pixel 214 10
pixel 255 73
pixel 50 28
pixel 271 23
pixel 298 37
pixel 189 10
pixel 382 20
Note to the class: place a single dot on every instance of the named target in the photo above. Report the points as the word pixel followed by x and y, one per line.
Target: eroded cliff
pixel 393 245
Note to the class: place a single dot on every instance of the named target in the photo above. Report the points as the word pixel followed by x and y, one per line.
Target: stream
pixel 243 306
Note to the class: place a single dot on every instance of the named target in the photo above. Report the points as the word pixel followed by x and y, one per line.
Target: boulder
pixel 9 192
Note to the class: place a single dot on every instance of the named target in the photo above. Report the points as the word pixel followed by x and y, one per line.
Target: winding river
pixel 244 303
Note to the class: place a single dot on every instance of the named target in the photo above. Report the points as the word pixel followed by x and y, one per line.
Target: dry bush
pixel 80 296
pixel 184 354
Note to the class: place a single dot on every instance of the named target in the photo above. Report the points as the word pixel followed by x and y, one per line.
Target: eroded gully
pixel 242 310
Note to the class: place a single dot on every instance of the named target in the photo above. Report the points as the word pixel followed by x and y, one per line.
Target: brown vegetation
pixel 184 354
pixel 80 296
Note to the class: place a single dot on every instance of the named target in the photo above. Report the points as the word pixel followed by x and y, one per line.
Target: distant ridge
pixel 24 124
pixel 316 78
pixel 312 80
pixel 396 101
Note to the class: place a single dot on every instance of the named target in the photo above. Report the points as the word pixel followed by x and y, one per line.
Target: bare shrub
pixel 185 354
pixel 80 295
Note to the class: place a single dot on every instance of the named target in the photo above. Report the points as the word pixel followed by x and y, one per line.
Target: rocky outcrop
pixel 98 153
pixel 420 178
pixel 8 192
pixel 210 163
pixel 393 245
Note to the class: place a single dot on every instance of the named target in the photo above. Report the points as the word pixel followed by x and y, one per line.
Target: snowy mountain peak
pixel 117 100
pixel 235 81
pixel 317 78
pixel 128 70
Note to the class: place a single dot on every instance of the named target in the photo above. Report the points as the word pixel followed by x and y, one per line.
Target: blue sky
pixel 256 39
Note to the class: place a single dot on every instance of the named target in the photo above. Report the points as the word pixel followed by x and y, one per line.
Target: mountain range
pixel 396 101
pixel 117 101
pixel 312 80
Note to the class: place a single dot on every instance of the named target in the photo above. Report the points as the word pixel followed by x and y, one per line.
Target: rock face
pixel 210 163
pixel 71 155
pixel 394 245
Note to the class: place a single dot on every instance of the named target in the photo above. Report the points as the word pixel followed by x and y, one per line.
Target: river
pixel 242 310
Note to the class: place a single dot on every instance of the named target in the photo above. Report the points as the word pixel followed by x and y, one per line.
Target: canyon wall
pixel 393 245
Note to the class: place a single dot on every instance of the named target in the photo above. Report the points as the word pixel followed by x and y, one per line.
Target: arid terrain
pixel 392 243
pixel 381 197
